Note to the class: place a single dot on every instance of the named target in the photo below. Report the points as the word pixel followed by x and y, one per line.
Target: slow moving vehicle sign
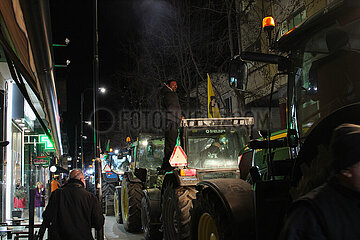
pixel 178 157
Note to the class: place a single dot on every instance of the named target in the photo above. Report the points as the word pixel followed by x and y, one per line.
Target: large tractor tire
pixel 131 195
pixel 209 221
pixel 107 189
pixel 117 205
pixel 229 215
pixel 151 230
pixel 176 207
pixel 109 205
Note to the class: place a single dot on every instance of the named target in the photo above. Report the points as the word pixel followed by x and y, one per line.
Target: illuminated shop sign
pixel 41 161
pixel 48 144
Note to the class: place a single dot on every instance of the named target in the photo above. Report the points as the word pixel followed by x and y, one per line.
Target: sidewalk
pixel 113 230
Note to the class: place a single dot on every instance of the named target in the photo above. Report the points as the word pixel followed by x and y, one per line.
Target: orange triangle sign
pixel 107 168
pixel 178 157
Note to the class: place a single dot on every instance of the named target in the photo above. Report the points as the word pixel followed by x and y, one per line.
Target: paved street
pixel 113 231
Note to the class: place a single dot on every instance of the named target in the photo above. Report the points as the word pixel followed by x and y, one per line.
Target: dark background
pixel 75 20
pixel 141 44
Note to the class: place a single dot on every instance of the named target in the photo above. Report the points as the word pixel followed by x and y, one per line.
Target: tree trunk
pixel 238 6
pixel 231 40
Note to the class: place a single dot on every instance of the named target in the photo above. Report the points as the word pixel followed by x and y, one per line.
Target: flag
pixel 107 145
pixel 213 109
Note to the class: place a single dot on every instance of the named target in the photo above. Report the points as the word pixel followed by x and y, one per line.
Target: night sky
pixel 118 26
pixel 140 45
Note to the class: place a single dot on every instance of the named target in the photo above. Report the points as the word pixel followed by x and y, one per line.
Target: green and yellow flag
pixel 213 108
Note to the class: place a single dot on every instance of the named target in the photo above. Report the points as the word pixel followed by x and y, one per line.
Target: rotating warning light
pixel 268 23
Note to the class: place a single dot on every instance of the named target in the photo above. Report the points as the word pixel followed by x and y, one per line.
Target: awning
pixel 26 38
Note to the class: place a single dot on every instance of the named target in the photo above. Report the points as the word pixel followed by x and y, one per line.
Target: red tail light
pixel 187 172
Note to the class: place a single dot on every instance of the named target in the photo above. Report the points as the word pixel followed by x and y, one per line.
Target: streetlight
pixel 101 90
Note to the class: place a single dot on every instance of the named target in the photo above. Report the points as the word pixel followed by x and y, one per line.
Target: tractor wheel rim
pixel 125 203
pixel 116 205
pixel 207 229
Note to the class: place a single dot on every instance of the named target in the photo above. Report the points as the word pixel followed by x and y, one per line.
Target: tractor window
pixel 118 163
pixel 210 148
pixel 151 153
pixel 329 77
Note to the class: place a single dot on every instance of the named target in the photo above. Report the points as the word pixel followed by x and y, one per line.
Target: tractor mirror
pixel 292 137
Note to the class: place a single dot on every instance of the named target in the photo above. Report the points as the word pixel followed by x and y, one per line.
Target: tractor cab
pixel 212 148
pixel 147 154
pixel 149 151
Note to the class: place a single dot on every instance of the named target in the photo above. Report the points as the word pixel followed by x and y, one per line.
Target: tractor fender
pixel 131 177
pixel 154 194
pixel 171 177
pixel 153 197
pixel 236 198
pixel 110 177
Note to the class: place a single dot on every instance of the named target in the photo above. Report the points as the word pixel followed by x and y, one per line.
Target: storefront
pixel 28 104
pixel 28 143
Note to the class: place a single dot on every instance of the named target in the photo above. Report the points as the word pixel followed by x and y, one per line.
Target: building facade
pixel 30 123
pixel 255 100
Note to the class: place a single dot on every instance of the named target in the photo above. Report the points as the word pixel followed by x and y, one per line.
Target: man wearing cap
pixel 331 211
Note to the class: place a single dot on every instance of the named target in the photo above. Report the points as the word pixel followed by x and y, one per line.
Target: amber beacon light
pixel 268 23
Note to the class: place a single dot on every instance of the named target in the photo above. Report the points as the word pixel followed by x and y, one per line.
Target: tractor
pixel 319 58
pixel 114 164
pixel 210 148
pixel 146 155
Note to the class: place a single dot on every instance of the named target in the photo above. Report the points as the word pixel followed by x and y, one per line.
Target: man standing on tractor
pixel 172 111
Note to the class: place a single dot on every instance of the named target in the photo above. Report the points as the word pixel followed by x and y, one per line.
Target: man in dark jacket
pixel 72 211
pixel 172 109
pixel 331 211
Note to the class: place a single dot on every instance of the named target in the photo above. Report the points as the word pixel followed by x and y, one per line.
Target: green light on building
pixel 48 144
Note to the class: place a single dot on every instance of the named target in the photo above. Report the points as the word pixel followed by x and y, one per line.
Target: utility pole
pixel 100 233
pixel 82 128
pixel 75 160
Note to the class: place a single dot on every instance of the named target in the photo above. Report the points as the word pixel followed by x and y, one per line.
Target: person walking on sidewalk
pixel 39 199
pixel 55 183
pixel 72 211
